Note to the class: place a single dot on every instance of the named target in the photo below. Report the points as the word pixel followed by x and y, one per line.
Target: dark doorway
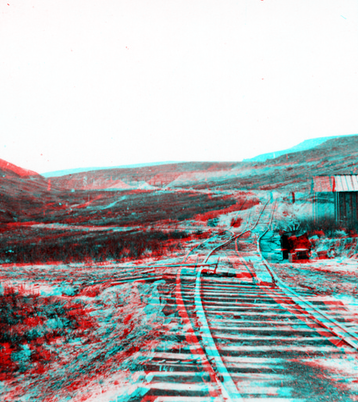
pixel 285 245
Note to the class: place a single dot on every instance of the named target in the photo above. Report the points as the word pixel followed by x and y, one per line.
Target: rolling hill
pixel 23 193
pixel 26 195
pixel 288 172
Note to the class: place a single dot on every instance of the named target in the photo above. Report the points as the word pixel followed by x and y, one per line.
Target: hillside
pixel 293 172
pixel 57 173
pixel 83 272
pixel 23 193
pixel 147 177
pixel 303 146
pixel 7 168
pixel 288 172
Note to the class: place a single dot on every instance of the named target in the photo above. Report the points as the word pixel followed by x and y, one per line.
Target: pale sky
pixel 115 82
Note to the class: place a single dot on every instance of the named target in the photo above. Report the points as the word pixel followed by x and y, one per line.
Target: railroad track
pixel 247 338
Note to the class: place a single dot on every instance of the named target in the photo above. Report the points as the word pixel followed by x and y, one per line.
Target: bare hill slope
pixel 291 172
pixel 23 193
pixel 144 177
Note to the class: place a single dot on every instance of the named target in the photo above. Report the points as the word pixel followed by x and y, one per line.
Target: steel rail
pixel 140 276
pixel 211 238
pixel 230 392
pixel 201 337
pixel 229 389
pixel 209 355
pixel 191 337
pixel 225 383
pixel 262 235
pixel 329 323
pixel 198 245
pixel 236 236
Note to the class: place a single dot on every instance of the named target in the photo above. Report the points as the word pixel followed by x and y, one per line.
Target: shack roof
pixel 336 183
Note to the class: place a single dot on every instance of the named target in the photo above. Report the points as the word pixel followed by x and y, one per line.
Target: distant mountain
pixel 145 177
pixel 307 144
pixel 303 146
pixel 289 172
pixel 25 195
pixel 58 173
pixel 293 171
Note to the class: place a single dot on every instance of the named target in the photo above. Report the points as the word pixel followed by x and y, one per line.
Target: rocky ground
pixel 69 333
pixel 331 277
pixel 53 345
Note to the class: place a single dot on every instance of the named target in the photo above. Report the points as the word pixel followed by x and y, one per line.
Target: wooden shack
pixel 336 197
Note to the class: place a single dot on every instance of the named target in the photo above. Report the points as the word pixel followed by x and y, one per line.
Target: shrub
pixel 327 226
pixel 213 222
pixel 236 222
pixel 95 246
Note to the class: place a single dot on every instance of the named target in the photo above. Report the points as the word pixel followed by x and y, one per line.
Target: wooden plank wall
pixel 346 207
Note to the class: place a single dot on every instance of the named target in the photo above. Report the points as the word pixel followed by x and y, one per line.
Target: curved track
pixel 248 337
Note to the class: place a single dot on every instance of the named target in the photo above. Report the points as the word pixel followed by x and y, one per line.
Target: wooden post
pixel 335 207
pixel 344 206
pixel 338 198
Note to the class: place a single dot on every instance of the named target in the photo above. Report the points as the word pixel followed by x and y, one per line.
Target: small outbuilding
pixel 336 197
